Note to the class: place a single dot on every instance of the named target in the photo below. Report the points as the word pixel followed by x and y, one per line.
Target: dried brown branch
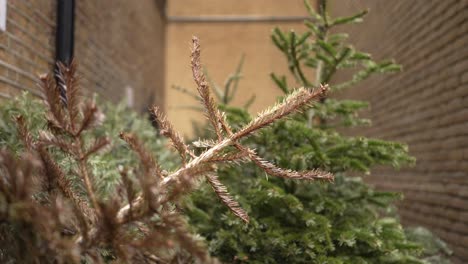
pixel 85 173
pixel 91 117
pixel 273 170
pixel 224 123
pixel 231 157
pixel 298 99
pixel 24 133
pixel 292 103
pixel 204 143
pixel 223 194
pixel 203 88
pixel 38 223
pixel 167 130
pixel 186 182
pixel 49 139
pixel 148 161
pixel 15 175
pixel 68 82
pixel 129 188
pixel 59 122
pixel 187 240
pixel 173 229
pixel 108 226
pixel 56 177
pixel 52 100
pixel 98 145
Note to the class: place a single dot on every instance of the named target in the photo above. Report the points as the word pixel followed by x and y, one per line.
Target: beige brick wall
pixel 223 43
pixel 118 44
pixel 425 106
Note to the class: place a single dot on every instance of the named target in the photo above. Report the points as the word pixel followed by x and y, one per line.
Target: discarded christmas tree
pixel 344 222
pixel 51 207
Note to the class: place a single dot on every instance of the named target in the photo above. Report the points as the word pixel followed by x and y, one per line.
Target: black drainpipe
pixel 64 37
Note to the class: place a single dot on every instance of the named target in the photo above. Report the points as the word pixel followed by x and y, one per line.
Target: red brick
pixel 424 106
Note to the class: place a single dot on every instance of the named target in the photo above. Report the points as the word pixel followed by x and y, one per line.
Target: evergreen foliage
pixel 344 222
pixel 104 164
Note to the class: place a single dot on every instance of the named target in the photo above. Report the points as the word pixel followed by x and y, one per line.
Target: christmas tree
pixel 296 222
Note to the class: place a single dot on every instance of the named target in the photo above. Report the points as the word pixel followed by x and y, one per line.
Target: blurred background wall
pixel 223 43
pixel 119 45
pixel 425 106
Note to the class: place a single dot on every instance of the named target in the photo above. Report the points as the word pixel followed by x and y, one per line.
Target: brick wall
pixel 425 106
pixel 119 46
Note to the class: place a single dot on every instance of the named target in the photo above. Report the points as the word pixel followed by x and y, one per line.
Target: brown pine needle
pixel 68 82
pixel 293 103
pixel 273 170
pixel 223 194
pixel 167 130
pixel 53 101
pixel 235 157
pixel 147 159
pixel 98 145
pixel 24 133
pixel 57 177
pixel 203 88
